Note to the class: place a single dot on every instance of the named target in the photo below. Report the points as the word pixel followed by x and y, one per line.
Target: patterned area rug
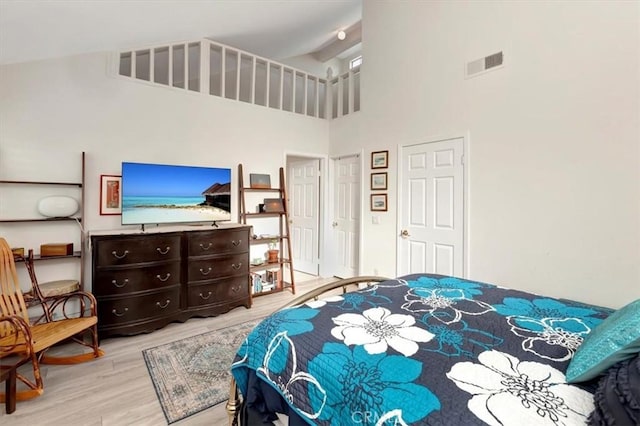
pixel 192 374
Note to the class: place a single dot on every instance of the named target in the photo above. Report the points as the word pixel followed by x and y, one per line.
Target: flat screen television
pixel 165 193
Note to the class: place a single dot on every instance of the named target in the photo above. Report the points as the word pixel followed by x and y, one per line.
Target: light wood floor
pixel 116 390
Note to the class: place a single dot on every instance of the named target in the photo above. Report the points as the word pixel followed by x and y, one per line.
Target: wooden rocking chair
pixel 33 340
pixel 43 294
pixel 9 365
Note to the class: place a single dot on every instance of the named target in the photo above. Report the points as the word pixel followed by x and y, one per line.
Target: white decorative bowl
pixel 57 206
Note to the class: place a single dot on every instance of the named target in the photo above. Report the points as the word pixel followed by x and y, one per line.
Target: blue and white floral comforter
pixel 425 349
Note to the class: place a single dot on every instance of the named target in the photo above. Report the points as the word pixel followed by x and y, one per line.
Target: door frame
pixel 322 192
pixel 466 206
pixel 330 267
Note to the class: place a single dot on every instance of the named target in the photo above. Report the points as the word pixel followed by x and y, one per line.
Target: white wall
pixel 554 136
pixel 67 105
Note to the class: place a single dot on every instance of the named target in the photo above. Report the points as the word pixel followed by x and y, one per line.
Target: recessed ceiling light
pixel 342 35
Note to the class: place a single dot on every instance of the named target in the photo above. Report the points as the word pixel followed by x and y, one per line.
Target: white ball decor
pixel 57 206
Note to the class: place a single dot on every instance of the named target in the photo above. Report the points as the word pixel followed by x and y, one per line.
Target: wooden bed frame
pixel 234 403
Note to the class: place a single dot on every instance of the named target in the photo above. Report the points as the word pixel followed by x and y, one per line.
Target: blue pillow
pixel 615 339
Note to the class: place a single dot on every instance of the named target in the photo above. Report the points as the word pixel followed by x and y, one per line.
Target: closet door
pixel 304 214
pixel 346 216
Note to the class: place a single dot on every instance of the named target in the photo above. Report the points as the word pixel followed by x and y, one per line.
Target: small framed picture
pixel 259 181
pixel 380 159
pixel 379 202
pixel 378 181
pixel 110 195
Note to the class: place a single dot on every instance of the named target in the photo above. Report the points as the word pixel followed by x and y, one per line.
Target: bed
pixel 428 349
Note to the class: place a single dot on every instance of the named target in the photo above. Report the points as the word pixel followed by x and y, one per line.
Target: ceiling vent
pixel 483 65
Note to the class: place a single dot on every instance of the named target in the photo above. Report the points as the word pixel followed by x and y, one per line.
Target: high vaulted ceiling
pixel 276 29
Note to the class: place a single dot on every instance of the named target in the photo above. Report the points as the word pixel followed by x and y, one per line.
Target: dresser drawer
pixel 220 291
pixel 218 267
pixel 234 288
pixel 200 295
pixel 140 307
pixel 131 250
pixel 123 281
pixel 218 242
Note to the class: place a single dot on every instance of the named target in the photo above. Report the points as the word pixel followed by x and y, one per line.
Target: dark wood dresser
pixel 144 281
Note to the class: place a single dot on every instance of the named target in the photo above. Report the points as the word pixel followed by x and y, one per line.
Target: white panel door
pixel 431 207
pixel 304 214
pixel 346 216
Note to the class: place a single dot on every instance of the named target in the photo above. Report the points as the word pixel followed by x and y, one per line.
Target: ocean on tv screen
pixel 155 193
pixel 178 209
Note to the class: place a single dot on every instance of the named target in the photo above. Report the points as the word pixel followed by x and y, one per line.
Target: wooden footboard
pixel 341 285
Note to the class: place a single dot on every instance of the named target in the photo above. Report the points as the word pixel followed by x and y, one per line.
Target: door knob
pixel 334 224
pixel 404 233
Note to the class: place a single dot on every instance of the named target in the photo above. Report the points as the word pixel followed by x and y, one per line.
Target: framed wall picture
pixel 378 181
pixel 110 194
pixel 380 159
pixel 378 202
pixel 259 181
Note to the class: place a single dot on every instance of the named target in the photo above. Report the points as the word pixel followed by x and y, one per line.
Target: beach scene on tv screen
pixel 159 193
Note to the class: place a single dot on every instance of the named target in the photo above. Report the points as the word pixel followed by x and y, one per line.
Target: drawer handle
pixel 115 253
pixel 161 306
pixel 165 251
pixel 207 247
pixel 165 278
pixel 125 282
pixel 236 289
pixel 236 243
pixel 236 266
pixel 207 272
pixel 114 312
pixel 205 298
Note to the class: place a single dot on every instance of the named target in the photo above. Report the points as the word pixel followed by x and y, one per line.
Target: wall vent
pixel 482 65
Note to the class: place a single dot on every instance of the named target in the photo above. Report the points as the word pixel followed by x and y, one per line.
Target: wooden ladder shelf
pixel 262 274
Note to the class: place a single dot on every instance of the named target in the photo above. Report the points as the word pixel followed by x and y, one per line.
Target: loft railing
pixel 218 70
